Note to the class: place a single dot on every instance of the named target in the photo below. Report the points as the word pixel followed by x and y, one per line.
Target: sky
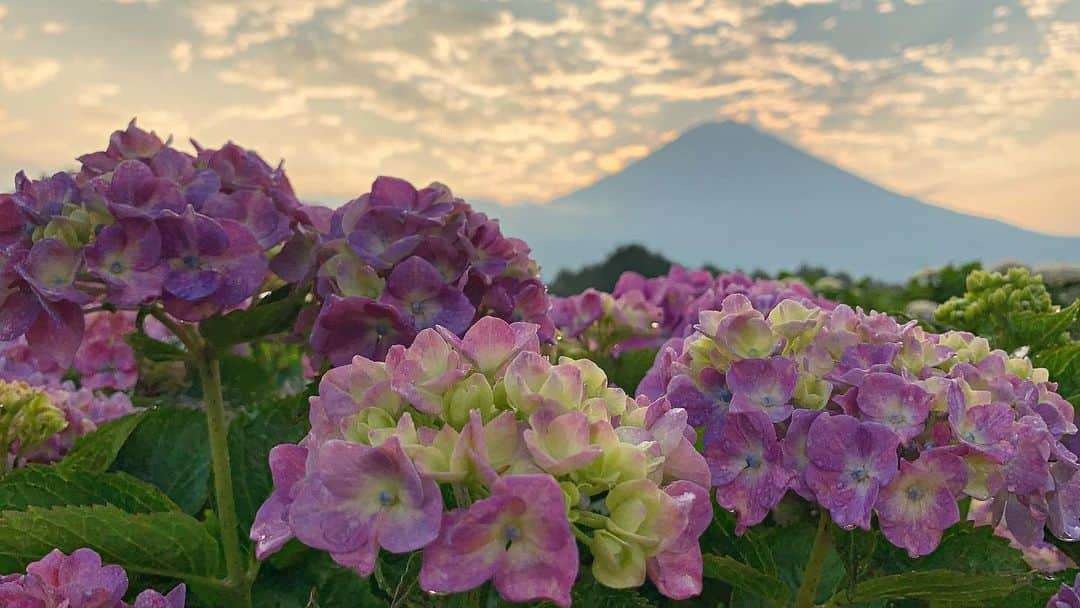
pixel 969 104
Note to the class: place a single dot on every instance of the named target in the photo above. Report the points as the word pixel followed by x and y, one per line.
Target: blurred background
pixel 851 138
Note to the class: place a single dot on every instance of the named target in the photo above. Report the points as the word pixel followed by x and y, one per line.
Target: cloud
pixel 18 76
pixel 517 99
pixel 181 56
pixel 54 27
pixel 617 159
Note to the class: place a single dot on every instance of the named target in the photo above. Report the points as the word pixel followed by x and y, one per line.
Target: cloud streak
pixel 525 100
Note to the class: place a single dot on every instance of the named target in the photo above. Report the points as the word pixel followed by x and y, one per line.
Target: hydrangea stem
pixel 209 371
pixel 815 565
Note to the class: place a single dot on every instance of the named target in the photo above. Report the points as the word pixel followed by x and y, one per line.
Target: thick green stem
pixel 815 565
pixel 224 499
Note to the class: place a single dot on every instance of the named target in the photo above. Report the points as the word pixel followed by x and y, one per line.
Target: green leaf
pixel 746 579
pixel 1064 367
pixel 1042 330
pixel 155 350
pixel 250 441
pixel 749 548
pixel 314 580
pixel 589 592
pixel 170 450
pixel 630 368
pixel 41 486
pixel 243 326
pixel 95 452
pixel 163 544
pixel 956 588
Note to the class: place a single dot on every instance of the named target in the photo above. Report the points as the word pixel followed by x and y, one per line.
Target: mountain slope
pixel 728 194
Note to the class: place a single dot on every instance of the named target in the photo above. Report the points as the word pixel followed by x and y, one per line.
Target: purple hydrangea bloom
pixel 347 327
pixel 126 256
pixel 920 501
pixel 153 599
pixel 105 360
pixel 418 287
pixel 519 538
pixel 794 448
pixel 1066 597
pixel 763 385
pixel 213 264
pixel 422 253
pixel 360 498
pixel 676 572
pixel 895 403
pixel 849 462
pixel 78 579
pixel 747 468
pixel 271 529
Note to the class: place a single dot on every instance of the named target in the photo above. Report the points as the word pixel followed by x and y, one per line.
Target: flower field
pixel 214 394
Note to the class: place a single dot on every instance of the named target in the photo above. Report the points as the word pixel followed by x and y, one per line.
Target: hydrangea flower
pixel 398 260
pixel 1066 597
pixel 140 223
pixel 519 538
pixel 537 457
pixel 645 313
pixel 869 416
pixel 40 424
pixel 747 466
pixel 79 580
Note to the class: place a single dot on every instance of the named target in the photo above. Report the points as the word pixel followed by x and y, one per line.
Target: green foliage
pixel 310 579
pixel 96 451
pixel 628 369
pixel 157 351
pixel 169 449
pixel 251 437
pixel 747 579
pixel 992 302
pixel 272 316
pixel 166 544
pixel 42 486
pixel 933 585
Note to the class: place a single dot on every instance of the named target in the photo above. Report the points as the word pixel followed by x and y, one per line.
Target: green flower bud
pixel 472 393
pixel 617 563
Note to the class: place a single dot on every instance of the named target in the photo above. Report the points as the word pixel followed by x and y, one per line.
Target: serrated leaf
pixel 1064 366
pixel 170 450
pixel 746 579
pixel 1043 330
pixel 154 350
pixel 163 544
pixel 314 580
pixel 96 451
pixel 250 441
pixel 243 326
pixel 42 486
pixel 955 588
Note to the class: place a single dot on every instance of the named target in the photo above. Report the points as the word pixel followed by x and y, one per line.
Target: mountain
pixel 733 196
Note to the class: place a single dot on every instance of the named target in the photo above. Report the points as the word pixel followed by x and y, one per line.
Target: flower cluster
pixel 991 303
pixel 683 294
pixel 104 360
pixel 398 260
pixel 78 581
pixel 1066 597
pixel 598 322
pixel 141 221
pixel 41 423
pixel 644 313
pixel 863 415
pixel 536 456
